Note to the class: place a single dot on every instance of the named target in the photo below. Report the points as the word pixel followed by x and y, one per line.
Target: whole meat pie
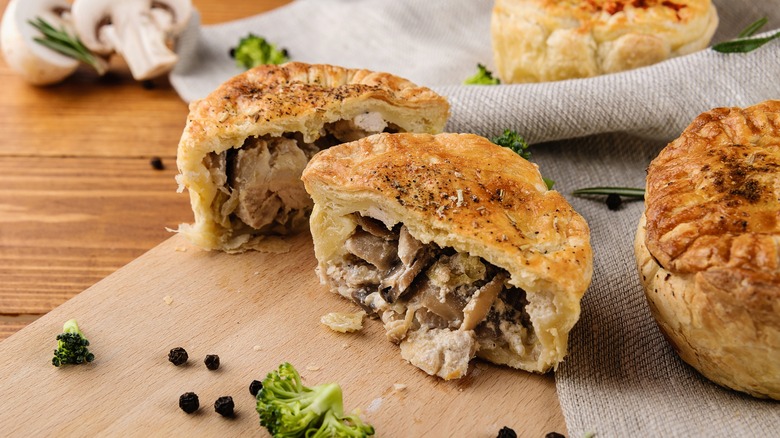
pixel 708 246
pixel 245 145
pixel 552 40
pixel 455 243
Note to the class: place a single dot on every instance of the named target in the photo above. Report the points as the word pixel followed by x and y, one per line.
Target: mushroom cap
pixel 90 15
pixel 180 12
pixel 38 64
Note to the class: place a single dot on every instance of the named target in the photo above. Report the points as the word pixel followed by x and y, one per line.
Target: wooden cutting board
pixel 255 311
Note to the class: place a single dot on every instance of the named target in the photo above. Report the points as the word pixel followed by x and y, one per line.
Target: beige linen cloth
pixel 621 378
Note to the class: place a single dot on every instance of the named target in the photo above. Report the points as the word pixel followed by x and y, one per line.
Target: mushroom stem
pixel 142 45
pixel 138 30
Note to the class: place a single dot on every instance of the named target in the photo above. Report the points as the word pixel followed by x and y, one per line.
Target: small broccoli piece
pixel 512 140
pixel 482 77
pixel 253 50
pixel 289 409
pixel 71 346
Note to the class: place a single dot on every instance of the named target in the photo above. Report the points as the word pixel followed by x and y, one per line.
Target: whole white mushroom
pixel 36 63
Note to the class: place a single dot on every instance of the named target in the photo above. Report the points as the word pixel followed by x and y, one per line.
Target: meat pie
pixel 245 145
pixel 456 244
pixel 543 40
pixel 708 246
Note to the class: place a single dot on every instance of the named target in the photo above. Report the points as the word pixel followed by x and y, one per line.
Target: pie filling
pixel 259 186
pixel 443 306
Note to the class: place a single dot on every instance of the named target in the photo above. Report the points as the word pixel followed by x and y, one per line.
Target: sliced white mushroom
pixel 36 63
pixel 480 303
pixel 138 30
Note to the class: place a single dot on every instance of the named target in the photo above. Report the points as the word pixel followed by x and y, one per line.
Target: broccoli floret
pixel 289 409
pixel 512 140
pixel 71 346
pixel 482 77
pixel 253 50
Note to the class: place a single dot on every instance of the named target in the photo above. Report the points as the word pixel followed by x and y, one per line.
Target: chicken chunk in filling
pixel 259 186
pixel 441 305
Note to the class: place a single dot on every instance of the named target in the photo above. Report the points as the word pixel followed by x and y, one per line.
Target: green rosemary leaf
pixel 743 46
pixel 753 28
pixel 627 192
pixel 42 25
pixel 69 45
pixel 61 48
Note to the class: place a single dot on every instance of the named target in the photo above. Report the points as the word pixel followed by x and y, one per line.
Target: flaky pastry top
pixel 547 40
pixel 463 191
pixel 713 201
pixel 272 99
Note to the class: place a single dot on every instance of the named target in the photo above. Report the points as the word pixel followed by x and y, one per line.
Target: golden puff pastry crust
pixel 708 246
pixel 551 40
pixel 245 145
pixel 455 243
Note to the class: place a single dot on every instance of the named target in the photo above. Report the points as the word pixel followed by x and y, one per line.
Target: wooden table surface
pixel 79 198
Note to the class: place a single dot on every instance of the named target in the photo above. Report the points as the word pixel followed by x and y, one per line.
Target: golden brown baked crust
pixel 463 192
pixel 276 117
pixel 549 40
pixel 709 253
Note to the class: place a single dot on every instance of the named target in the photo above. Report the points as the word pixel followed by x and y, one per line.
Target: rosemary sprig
pixel 743 43
pixel 753 28
pixel 614 194
pixel 69 45
pixel 626 192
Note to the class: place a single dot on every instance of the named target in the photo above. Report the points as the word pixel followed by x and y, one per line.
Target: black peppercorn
pixel 255 387
pixel 613 201
pixel 554 435
pixel 506 432
pixel 157 163
pixel 178 356
pixel 188 402
pixel 224 406
pixel 211 361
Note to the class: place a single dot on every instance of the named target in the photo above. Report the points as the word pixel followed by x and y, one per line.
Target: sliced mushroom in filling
pixel 423 293
pixel 259 186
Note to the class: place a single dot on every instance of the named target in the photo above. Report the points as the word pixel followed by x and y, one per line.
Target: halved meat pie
pixel 455 243
pixel 245 145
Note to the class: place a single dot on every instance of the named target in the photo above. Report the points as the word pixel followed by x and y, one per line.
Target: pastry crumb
pixel 257 348
pixel 273 245
pixel 344 322
pixel 181 249
pixel 168 299
pixel 313 367
pixel 374 405
pixel 398 387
